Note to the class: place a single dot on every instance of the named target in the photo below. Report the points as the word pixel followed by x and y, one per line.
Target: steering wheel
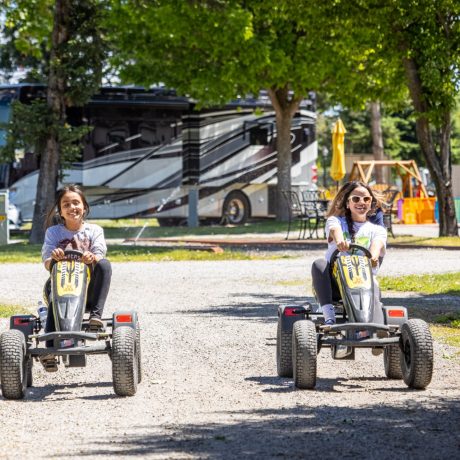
pixel 353 247
pixel 73 254
pixel 69 254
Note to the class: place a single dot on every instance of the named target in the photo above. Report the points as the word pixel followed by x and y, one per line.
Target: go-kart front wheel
pixel 417 359
pixel 124 361
pixel 304 354
pixel 13 364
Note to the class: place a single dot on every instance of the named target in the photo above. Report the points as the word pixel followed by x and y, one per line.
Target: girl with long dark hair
pixel 347 222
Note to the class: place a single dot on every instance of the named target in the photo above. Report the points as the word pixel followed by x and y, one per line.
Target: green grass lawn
pixel 444 315
pixel 7 310
pixel 453 241
pixel 29 253
pixel 149 228
pixel 446 283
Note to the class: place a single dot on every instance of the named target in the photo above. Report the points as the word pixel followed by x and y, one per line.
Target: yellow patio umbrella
pixel 338 170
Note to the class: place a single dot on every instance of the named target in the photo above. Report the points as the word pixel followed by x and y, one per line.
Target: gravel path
pixel 210 388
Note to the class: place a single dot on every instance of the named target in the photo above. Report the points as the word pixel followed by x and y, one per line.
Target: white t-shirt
pixel 89 238
pixel 365 233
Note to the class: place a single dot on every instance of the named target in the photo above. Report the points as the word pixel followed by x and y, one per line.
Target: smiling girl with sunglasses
pixel 348 222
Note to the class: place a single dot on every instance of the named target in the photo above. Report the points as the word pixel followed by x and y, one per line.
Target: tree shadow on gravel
pixel 414 428
pixel 274 384
pixel 426 307
pixel 263 307
pixel 64 392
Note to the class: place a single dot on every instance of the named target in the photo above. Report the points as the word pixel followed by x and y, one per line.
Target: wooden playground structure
pixel 406 169
pixel 413 205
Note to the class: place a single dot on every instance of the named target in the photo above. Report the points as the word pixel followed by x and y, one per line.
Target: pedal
pixel 50 363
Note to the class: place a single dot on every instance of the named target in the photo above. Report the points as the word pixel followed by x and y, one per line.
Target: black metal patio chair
pixel 315 205
pixel 296 213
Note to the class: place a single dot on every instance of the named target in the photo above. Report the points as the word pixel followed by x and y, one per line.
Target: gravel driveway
pixel 210 388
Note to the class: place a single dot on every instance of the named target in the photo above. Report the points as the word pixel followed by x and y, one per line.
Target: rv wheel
pixel 171 221
pixel 236 208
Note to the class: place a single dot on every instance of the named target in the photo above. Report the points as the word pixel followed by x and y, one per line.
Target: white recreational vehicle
pixel 148 148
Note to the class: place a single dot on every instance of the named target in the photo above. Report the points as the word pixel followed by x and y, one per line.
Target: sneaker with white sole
pixel 95 323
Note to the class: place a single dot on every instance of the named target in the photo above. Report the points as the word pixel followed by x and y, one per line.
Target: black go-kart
pixel 73 338
pixel 362 321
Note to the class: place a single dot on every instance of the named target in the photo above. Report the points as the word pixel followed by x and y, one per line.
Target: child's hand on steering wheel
pixel 375 260
pixel 343 246
pixel 57 254
pixel 88 258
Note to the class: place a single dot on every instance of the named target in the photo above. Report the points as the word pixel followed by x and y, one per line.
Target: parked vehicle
pixel 148 148
pixel 14 217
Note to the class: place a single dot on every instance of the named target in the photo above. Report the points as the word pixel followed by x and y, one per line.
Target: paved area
pixel 425 230
pixel 271 241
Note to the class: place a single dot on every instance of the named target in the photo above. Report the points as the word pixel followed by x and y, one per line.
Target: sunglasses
pixel 357 199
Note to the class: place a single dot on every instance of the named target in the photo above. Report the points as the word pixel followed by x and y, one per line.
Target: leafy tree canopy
pixel 27 32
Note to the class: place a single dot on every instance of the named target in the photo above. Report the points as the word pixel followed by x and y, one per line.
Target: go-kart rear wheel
pixel 13 364
pixel 124 361
pixel 138 352
pixel 304 354
pixel 417 356
pixel 30 377
pixel 392 362
pixel 283 350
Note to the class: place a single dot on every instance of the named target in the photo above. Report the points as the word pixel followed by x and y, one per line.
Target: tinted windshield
pixel 7 95
pixel 4 117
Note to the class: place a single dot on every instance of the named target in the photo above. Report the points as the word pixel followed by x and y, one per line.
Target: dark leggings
pixel 98 288
pixel 326 289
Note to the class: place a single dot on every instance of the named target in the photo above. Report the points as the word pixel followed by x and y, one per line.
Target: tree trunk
pixel 377 139
pixel 285 110
pixel 439 164
pixel 55 98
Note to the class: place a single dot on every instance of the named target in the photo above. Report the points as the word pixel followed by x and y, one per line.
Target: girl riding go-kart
pixel 73 232
pixel 79 282
pixel 70 209
pixel 351 314
pixel 347 223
